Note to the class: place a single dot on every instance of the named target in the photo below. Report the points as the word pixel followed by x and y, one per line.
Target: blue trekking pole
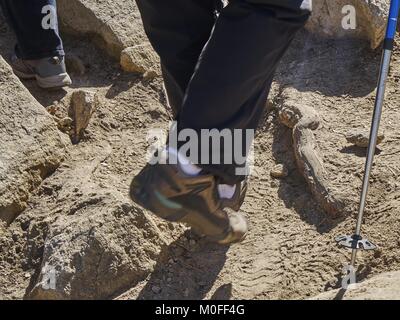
pixel 357 242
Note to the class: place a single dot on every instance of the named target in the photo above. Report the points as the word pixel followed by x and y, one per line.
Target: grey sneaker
pixel 50 73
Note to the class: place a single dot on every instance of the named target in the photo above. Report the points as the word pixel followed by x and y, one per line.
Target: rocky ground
pixel 64 206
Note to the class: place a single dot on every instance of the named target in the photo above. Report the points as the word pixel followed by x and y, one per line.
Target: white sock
pixel 226 191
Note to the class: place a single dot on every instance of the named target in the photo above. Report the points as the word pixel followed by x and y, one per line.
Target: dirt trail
pixel 289 253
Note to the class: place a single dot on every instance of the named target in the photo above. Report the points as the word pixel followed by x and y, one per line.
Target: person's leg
pixel 227 90
pixel 230 85
pixel 39 52
pixel 178 31
pixel 35 25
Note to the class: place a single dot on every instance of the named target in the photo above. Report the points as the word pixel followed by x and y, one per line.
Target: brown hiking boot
pixel 172 195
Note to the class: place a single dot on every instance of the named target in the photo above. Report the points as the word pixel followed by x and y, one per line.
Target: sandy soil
pixel 290 252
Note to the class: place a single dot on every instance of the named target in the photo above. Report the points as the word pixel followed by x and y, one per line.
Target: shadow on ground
pixel 315 64
pixel 189 273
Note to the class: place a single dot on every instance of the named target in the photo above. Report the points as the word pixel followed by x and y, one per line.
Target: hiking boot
pixel 174 196
pixel 50 73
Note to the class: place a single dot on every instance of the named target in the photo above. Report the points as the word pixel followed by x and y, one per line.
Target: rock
pixel 149 75
pixel 116 25
pixel 385 286
pixel 139 59
pixel 371 16
pixel 113 24
pixel 65 124
pixel 74 64
pixel 31 147
pixel 97 249
pixel 294 113
pixel 360 138
pixel 269 105
pixel 279 171
pixel 83 105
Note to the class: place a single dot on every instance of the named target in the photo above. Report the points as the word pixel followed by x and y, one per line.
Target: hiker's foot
pixel 175 196
pixel 238 229
pixel 50 73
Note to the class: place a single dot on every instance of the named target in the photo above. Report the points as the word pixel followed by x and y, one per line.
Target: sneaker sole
pixel 54 82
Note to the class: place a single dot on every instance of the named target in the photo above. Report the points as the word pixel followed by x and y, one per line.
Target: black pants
pixel 27 18
pixel 218 69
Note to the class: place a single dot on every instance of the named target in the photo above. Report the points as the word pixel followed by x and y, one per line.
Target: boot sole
pixel 235 241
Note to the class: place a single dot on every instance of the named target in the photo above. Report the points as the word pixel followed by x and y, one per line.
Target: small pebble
pixel 360 138
pixel 274 184
pixel 279 171
pixel 65 123
pixel 149 75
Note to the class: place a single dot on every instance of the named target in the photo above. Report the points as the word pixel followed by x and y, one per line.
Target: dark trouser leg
pixel 178 31
pixel 230 85
pixel 25 18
